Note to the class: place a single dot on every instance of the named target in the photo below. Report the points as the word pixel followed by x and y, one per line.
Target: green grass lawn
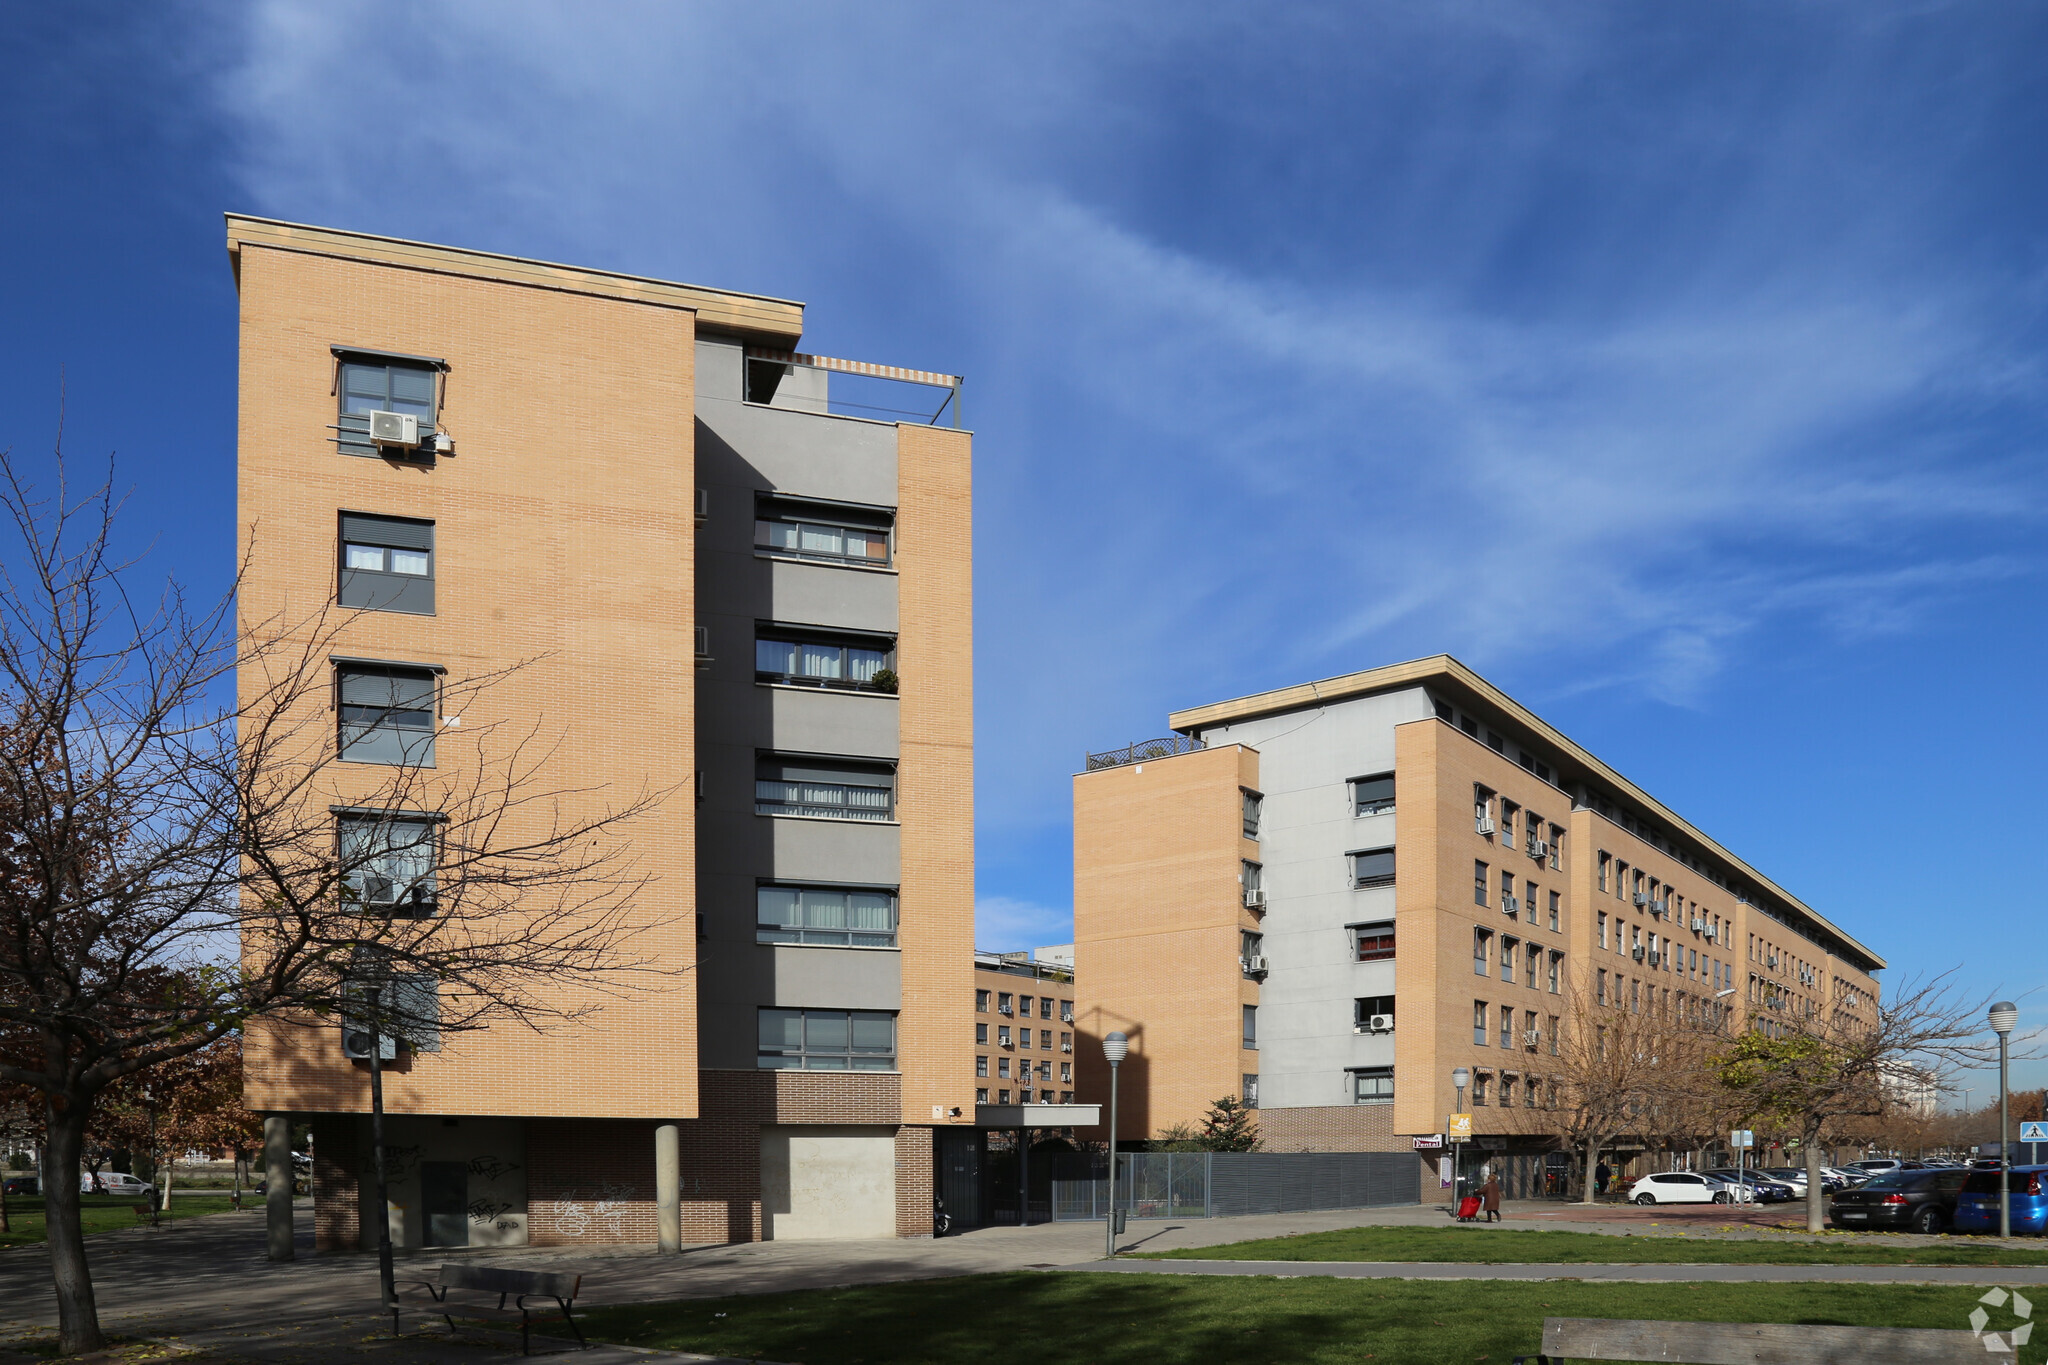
pixel 1169 1319
pixel 101 1213
pixel 1497 1246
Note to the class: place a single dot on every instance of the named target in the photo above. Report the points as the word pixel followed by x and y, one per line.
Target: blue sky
pixel 1681 368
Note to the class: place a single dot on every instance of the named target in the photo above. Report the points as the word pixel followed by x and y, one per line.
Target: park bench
pixel 481 1283
pixel 1751 1343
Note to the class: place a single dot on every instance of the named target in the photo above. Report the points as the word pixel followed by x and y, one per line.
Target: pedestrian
pixel 1489 1197
pixel 1601 1175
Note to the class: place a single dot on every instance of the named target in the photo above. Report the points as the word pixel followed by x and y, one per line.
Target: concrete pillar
pixel 278 1175
pixel 668 1187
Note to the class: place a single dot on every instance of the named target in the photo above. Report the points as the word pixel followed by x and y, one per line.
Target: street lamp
pixel 374 1046
pixel 1113 1049
pixel 1460 1077
pixel 2003 1016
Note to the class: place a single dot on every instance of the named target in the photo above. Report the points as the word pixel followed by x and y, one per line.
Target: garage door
pixel 828 1182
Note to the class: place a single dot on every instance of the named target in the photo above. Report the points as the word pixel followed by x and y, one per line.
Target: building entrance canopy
pixel 1037 1115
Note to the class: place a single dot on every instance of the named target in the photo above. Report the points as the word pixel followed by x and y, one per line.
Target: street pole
pixel 384 1270
pixel 1114 1047
pixel 2003 1016
pixel 1459 1077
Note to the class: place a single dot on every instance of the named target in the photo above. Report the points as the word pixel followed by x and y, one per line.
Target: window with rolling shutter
pixel 387 861
pixel 387 563
pixel 387 713
pixel 824 789
pixel 371 382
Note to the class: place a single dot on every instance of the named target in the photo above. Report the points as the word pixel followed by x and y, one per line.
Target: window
pixel 1603 928
pixel 1556 971
pixel 1372 1085
pixel 1066 1011
pixel 828 1040
pixel 1251 877
pixel 1252 804
pixel 1372 795
pixel 820 789
pixel 1066 1097
pixel 1066 1042
pixel 1024 1037
pixel 1373 867
pixel 1003 1067
pixel 367 384
pixel 1507 1090
pixel 1507 1025
pixel 981 1003
pixel 1479 1018
pixel 1066 1073
pixel 1002 1097
pixel 1045 1069
pixel 1529 1027
pixel 1373 942
pixel 1482 952
pixel 842 917
pixel 1004 1003
pixel 1556 911
pixel 1529 902
pixel 1600 986
pixel 1024 1007
pixel 1507 891
pixel 1606 864
pixel 1479 882
pixel 1251 1026
pixel 1368 1007
pixel 1550 1035
pixel 1002 1035
pixel 1556 848
pixel 1482 810
pixel 388 713
pixel 1045 1007
pixel 387 564
pixel 1507 823
pixel 1250 946
pixel 1509 949
pixel 981 1035
pixel 981 1095
pixel 803 659
pixel 1533 965
pixel 830 534
pixel 387 861
pixel 981 1063
pixel 1479 1083
pixel 1529 1093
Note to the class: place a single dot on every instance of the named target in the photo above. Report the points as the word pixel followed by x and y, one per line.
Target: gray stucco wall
pixel 1306 762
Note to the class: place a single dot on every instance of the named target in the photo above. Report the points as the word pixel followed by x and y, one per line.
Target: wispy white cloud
pixel 1005 924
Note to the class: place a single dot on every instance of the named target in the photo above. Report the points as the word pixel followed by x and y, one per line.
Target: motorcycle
pixel 942 1222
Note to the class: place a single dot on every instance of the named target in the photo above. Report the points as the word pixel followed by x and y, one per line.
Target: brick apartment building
pixel 1324 898
pixel 718 585
pixel 1024 1027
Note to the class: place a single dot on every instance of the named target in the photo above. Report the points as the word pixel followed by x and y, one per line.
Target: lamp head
pixel 2003 1016
pixel 1114 1047
pixel 1460 1077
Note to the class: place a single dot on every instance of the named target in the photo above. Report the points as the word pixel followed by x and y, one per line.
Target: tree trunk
pixel 1592 1161
pixel 170 1171
pixel 1816 1193
pixel 78 1318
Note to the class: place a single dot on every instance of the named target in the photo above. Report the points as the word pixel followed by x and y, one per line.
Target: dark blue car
pixel 1977 1205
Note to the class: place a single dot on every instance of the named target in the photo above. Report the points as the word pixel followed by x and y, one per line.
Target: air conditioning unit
pixel 1656 959
pixel 1256 965
pixel 1066 1047
pixel 1661 909
pixel 355 1043
pixel 1642 900
pixel 1254 898
pixel 1637 952
pixel 1698 925
pixel 1532 1036
pixel 1380 1023
pixel 1713 932
pixel 1509 905
pixel 394 429
pixel 1484 824
pixel 1539 848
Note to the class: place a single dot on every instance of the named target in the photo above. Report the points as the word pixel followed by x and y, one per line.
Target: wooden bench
pixel 1752 1343
pixel 482 1281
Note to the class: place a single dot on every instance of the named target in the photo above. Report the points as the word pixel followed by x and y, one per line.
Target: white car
pixel 1683 1187
pixel 113 1182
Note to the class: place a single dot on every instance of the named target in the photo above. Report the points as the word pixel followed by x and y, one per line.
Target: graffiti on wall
pixel 489 1208
pixel 575 1216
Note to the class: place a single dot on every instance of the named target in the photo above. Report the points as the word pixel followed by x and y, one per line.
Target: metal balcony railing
pixel 1144 751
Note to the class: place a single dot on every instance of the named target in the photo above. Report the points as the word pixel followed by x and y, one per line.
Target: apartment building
pixel 640 503
pixel 1323 899
pixel 1024 1027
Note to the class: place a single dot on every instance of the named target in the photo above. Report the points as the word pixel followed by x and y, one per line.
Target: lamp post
pixel 2003 1016
pixel 1113 1049
pixel 1460 1077
pixel 375 1048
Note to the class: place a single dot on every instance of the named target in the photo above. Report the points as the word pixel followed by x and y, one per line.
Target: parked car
pixel 113 1182
pixel 1767 1190
pixel 1880 1165
pixel 1679 1187
pixel 1847 1175
pixel 1919 1200
pixel 1977 1205
pixel 1789 1175
pixel 24 1184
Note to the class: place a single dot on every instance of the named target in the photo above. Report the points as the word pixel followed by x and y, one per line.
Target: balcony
pixel 1144 751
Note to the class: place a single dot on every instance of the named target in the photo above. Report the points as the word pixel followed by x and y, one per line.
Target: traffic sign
pixel 2034 1132
pixel 1461 1128
pixel 1742 1137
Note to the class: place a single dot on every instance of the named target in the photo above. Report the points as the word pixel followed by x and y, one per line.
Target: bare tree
pixel 1810 1075
pixel 176 863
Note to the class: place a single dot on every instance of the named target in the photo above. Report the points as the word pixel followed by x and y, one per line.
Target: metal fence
pixel 1229 1184
pixel 1143 751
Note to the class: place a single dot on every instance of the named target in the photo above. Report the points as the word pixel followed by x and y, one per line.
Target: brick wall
pixel 337 1211
pixel 1332 1128
pixel 914 1172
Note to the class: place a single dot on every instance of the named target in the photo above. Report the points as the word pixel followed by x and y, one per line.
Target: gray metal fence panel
pixel 1229 1184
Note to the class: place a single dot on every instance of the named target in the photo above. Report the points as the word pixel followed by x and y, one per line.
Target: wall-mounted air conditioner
pixel 1661 909
pixel 1380 1023
pixel 1484 824
pixel 394 429
pixel 1254 898
pixel 1532 1036
pixel 1637 952
pixel 1539 848
pixel 1699 925
pixel 1510 905
pixel 1257 966
pixel 1642 900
